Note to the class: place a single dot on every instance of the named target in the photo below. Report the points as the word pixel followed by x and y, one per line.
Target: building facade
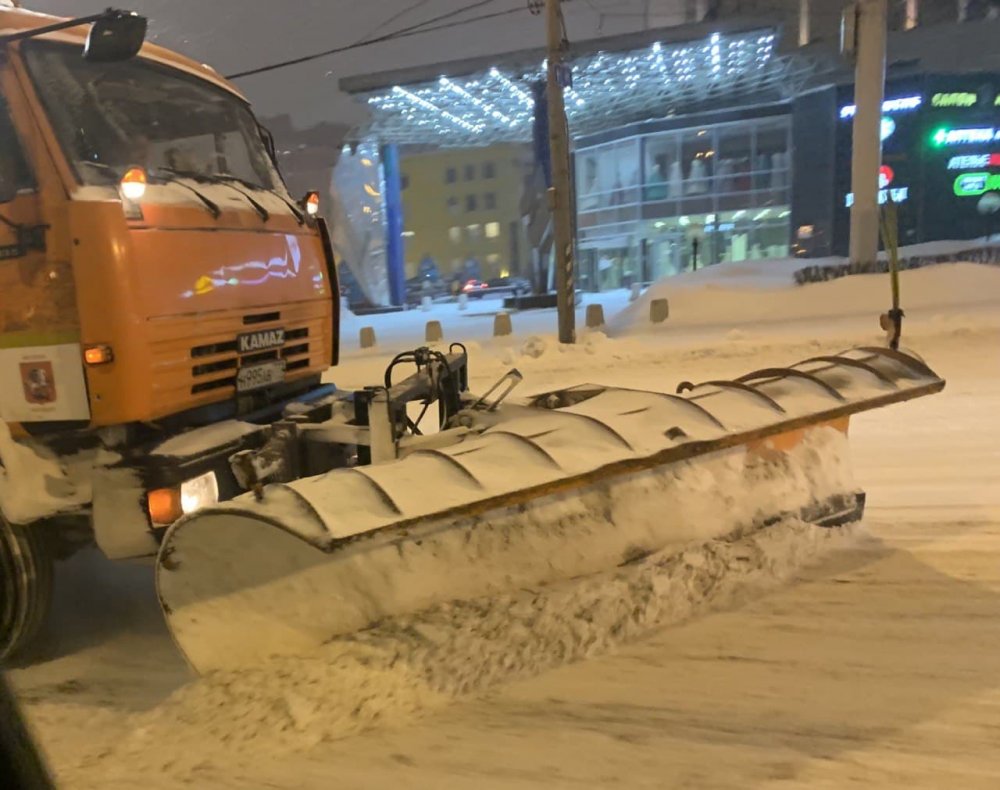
pixel 711 144
pixel 461 209
pixel 660 198
pixel 940 160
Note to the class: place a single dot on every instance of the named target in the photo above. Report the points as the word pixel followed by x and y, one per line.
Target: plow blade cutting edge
pixel 565 483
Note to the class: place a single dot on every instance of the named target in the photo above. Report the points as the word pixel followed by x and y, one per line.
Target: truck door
pixel 40 363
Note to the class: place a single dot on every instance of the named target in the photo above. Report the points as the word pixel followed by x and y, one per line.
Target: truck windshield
pixel 109 116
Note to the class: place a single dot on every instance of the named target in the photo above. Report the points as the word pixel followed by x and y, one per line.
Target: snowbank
pixel 735 294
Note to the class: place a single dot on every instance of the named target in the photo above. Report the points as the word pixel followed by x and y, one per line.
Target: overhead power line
pixel 427 26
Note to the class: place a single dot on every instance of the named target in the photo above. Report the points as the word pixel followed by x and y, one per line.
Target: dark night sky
pixel 233 35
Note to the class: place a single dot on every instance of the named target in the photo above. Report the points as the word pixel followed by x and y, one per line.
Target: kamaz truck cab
pixel 155 277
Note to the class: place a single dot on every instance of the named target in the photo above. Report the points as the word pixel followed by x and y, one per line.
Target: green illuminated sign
pixel 965 136
pixel 975 184
pixel 954 99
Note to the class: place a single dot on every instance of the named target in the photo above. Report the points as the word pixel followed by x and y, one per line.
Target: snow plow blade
pixel 562 484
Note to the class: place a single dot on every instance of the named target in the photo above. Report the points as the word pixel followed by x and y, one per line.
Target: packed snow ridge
pixel 407 665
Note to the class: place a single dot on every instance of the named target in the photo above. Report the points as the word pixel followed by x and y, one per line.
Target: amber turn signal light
pixel 311 203
pixel 98 355
pixel 164 505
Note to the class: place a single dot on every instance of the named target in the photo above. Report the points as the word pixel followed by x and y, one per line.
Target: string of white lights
pixel 608 89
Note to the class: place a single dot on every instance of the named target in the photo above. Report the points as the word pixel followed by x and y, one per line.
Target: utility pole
pixel 871 18
pixel 560 193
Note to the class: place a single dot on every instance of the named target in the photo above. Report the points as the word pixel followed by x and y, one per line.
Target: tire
pixel 26 572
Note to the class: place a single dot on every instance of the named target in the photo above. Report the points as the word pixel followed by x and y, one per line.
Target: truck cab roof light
pixel 133 184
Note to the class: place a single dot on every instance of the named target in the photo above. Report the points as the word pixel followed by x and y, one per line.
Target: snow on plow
pixel 561 484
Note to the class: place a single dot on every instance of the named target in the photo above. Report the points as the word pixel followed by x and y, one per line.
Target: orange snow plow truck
pixel 167 311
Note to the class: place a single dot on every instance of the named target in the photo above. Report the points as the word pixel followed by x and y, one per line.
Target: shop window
pixel 772 158
pixel 455 234
pixel 492 230
pixel 474 232
pixel 698 161
pixel 471 203
pixel 733 159
pixel 664 176
pixel 608 176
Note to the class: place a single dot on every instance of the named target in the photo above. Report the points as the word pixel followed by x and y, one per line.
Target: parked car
pixel 425 285
pixel 515 285
pixel 476 289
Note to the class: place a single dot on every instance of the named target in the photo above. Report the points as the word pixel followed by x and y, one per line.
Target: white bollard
pixel 367 337
pixel 659 311
pixel 595 316
pixel 425 303
pixel 635 293
pixel 463 301
pixel 502 325
pixel 433 332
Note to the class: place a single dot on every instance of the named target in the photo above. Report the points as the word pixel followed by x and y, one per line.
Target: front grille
pixel 214 367
pixel 261 318
pixel 211 349
pixel 296 351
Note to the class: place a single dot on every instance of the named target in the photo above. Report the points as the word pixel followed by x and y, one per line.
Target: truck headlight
pixel 199 492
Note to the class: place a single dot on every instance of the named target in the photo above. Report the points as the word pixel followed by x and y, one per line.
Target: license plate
pixel 253 377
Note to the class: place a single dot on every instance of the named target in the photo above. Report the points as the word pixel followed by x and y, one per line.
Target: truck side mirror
pixel 116 36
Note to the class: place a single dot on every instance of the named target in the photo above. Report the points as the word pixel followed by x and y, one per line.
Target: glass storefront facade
pixel 662 202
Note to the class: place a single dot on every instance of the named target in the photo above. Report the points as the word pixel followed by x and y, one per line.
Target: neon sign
pixel 975 184
pixel 885 176
pixel 974 161
pixel 965 136
pixel 889 105
pixel 954 99
pixel 898 194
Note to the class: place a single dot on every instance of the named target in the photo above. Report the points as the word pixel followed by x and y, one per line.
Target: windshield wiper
pixel 211 205
pixel 299 217
pixel 264 214
pixel 223 180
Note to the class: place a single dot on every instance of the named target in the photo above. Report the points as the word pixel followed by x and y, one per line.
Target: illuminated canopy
pixel 614 82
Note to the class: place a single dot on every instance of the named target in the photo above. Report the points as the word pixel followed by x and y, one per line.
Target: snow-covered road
pixel 878 666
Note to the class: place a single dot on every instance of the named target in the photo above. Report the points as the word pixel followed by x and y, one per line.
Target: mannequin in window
pixel 697 184
pixel 675 181
pixel 657 183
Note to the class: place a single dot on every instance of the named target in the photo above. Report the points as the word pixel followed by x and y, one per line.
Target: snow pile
pixel 748 295
pixel 33 483
pixel 672 561
pixel 409 665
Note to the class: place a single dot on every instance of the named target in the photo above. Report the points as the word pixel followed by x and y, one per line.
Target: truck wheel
pixel 26 579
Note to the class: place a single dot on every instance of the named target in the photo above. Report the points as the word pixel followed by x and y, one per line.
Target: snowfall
pixel 788 657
